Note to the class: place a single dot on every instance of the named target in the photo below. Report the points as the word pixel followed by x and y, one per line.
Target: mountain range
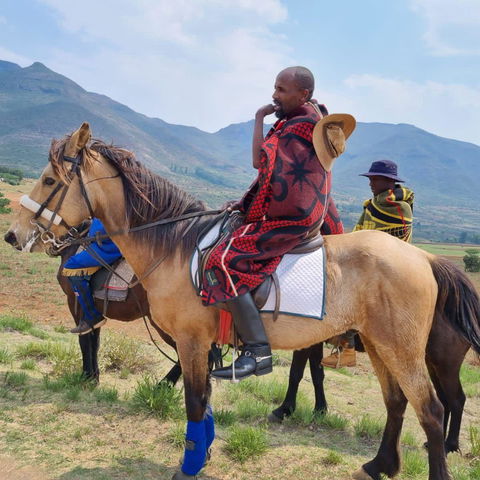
pixel 37 104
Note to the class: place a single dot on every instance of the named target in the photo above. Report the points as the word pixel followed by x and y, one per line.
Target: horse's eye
pixel 49 181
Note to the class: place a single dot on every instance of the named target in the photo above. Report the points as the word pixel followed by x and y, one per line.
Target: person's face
pixel 287 96
pixel 379 184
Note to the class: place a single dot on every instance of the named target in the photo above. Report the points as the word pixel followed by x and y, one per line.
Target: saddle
pixel 312 242
pixel 108 286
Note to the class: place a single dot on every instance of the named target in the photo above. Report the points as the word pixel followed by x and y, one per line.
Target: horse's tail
pixel 458 300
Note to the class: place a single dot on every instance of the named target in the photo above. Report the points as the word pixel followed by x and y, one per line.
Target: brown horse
pixel 133 308
pixel 376 284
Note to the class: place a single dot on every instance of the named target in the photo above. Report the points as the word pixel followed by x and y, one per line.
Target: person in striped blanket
pixel 389 210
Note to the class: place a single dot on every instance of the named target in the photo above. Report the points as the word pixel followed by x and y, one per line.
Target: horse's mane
pixel 148 196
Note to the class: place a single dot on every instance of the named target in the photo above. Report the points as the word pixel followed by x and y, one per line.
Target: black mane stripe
pixel 148 198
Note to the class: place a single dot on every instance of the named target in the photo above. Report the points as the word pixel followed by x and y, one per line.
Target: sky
pixel 210 63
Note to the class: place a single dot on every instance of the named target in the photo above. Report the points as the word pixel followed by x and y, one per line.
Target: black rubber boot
pixel 256 357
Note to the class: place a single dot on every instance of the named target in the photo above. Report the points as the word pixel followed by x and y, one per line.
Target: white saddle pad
pixel 301 279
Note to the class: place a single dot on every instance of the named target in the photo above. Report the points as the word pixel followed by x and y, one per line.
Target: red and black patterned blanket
pixel 288 199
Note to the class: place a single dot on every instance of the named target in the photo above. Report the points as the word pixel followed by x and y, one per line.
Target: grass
pixel 28 364
pixel 176 435
pixel 474 434
pixel 5 355
pixel 22 325
pixel 121 352
pixel 415 464
pixel 331 420
pixel 368 427
pixel 244 443
pixel 58 423
pixel 159 399
pixel 332 458
pixel 106 394
pixel 225 418
pixel 15 379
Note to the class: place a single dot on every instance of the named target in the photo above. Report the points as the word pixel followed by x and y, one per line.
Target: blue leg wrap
pixel 195 448
pixel 209 426
pixel 81 286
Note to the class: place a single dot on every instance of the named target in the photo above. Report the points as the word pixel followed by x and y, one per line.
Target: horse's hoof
pixel 183 476
pixel 272 418
pixel 361 474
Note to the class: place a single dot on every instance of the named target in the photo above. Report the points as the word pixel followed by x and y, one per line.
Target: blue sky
pixel 209 63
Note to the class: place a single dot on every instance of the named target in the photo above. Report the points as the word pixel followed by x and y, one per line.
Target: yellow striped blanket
pixel 390 211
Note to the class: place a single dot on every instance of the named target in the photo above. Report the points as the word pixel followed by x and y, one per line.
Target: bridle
pixel 53 218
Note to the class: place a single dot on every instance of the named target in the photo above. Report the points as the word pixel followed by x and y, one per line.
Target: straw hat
pixel 330 135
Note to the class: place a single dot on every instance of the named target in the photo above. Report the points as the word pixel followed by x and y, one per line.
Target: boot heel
pixel 263 370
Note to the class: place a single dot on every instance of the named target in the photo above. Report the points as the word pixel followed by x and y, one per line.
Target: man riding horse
pixel 286 203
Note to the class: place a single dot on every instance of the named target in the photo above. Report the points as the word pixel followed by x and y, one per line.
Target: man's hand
pixel 231 205
pixel 265 110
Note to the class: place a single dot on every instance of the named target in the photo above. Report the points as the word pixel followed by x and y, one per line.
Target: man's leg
pixel 91 317
pixel 256 357
pixel 345 355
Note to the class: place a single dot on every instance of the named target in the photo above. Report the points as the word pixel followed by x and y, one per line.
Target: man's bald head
pixel 303 77
pixel 293 87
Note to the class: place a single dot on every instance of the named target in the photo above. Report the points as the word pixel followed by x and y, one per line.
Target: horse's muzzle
pixel 11 238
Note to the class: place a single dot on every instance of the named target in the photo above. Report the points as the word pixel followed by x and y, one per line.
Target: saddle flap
pixel 107 286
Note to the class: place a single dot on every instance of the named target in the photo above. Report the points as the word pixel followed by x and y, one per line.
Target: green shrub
pixel 120 352
pixel 5 356
pixel 28 364
pixel 15 379
pixel 160 399
pixel 474 434
pixel 225 418
pixel 245 442
pixel 472 260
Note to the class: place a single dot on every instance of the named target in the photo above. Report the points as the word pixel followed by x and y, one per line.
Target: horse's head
pixel 58 200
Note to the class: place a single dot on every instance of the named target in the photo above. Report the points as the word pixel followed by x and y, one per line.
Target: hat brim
pixel 346 122
pixel 381 174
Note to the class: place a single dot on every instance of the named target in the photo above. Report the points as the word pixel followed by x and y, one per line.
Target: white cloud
pixel 186 62
pixel 9 56
pixel 453 27
pixel 449 110
pixel 3 20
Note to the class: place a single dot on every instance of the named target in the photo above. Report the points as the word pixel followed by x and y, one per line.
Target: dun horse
pixel 376 284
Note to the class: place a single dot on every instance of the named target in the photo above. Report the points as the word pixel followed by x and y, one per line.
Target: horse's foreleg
pixel 387 460
pixel 200 426
pixel 297 368
pixel 318 377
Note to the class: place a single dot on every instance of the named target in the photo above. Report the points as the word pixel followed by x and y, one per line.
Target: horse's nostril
pixel 10 238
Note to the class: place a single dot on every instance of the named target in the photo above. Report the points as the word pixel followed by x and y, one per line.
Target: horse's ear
pixel 78 140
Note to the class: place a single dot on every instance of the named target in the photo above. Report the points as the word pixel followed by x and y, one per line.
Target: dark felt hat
pixel 383 168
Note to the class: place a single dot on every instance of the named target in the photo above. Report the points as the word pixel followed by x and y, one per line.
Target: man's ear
pixel 78 140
